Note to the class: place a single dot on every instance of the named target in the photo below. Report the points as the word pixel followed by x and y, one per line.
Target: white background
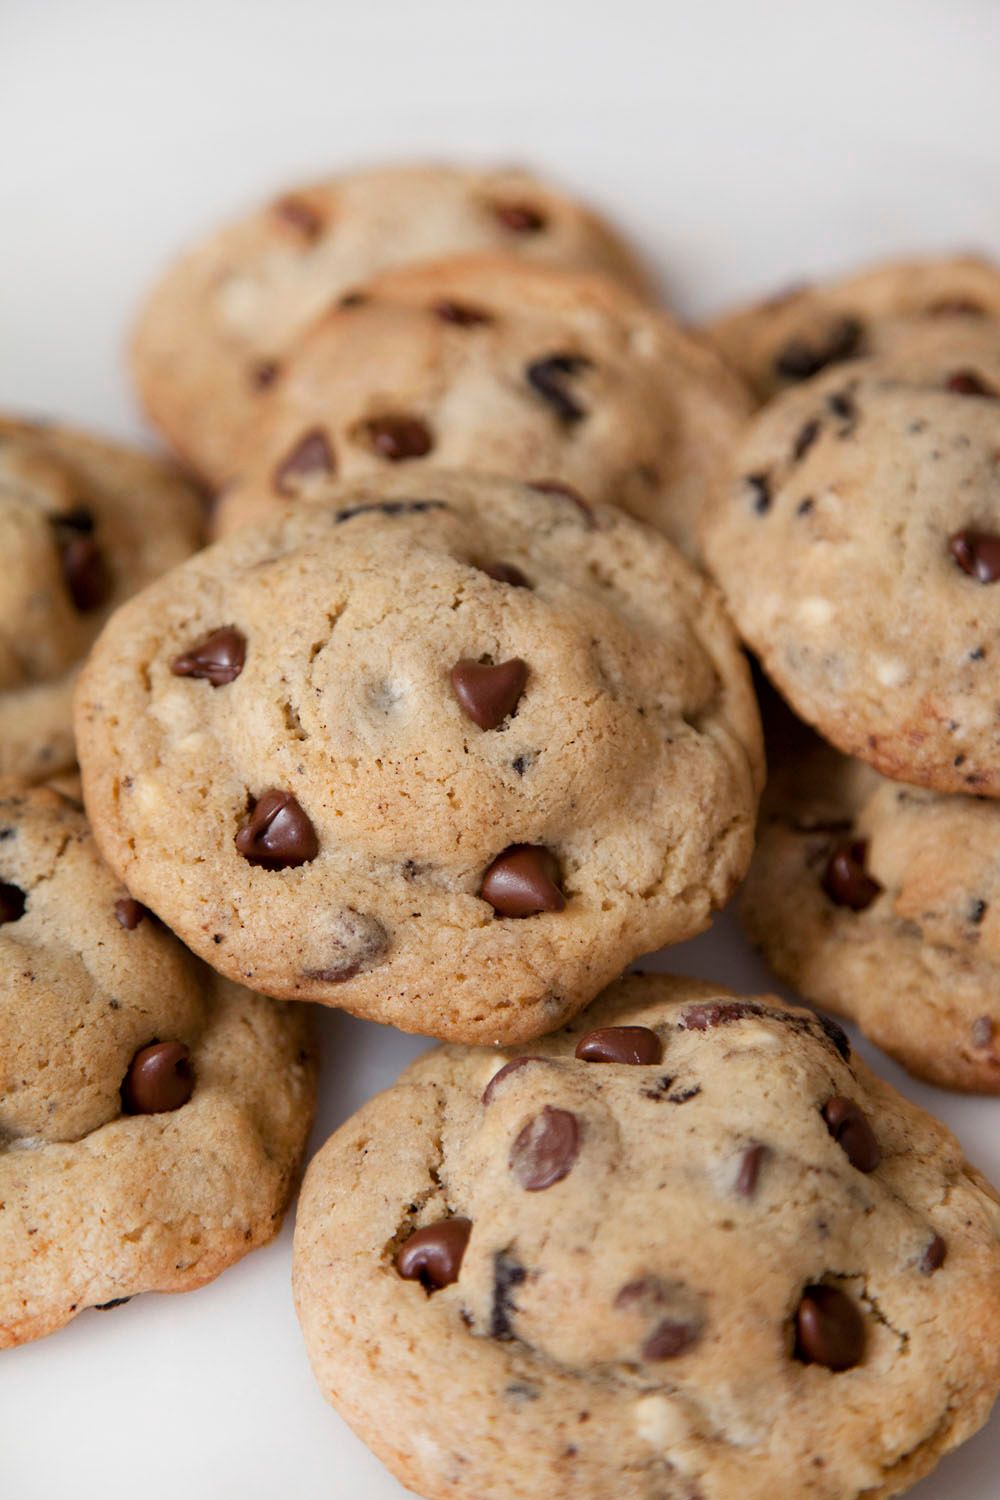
pixel 743 144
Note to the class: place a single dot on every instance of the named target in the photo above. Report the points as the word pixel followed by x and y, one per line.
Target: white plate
pixel 744 145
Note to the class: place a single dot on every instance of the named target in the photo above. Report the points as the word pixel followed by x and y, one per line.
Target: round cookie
pixel 791 337
pixel 214 332
pixel 882 902
pixel 859 550
pixel 83 524
pixel 690 1248
pixel 443 750
pixel 495 365
pixel 152 1115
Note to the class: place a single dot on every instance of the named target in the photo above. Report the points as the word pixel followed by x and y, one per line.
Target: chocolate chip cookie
pixel 882 902
pixel 859 550
pixel 689 1247
pixel 444 750
pixel 212 338
pixel 83 524
pixel 491 364
pixel 152 1115
pixel 793 336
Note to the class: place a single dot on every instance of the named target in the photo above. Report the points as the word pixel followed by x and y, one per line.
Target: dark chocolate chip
pixel 805 506
pixel 264 373
pixel 983 1031
pixel 523 881
pixel 759 486
pixel 115 1302
pixel 433 1255
pixel 842 405
pixel 934 1256
pixel 521 218
pixel 549 378
pixel 829 1329
pixel 277 833
pixel 845 879
pixel 977 911
pixel 837 1035
pixel 712 1013
pixel 355 941
pixel 300 215
pixel 505 1072
pixel 396 436
pixel 85 571
pixel 751 1162
pixel 460 313
pixel 310 455
pixel 488 695
pixel 12 903
pixel 850 1128
pixel 968 383
pixel 636 1045
pixel 545 1150
pixel 160 1078
pixel 807 435
pixel 502 572
pixel 977 553
pixel 799 360
pixel 669 1339
pixel 507 1274
pixel 218 658
pixel 388 508
pixel 130 912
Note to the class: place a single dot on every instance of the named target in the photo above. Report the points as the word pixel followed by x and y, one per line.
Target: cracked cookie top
pixel 83 524
pixel 445 750
pixel 791 337
pixel 882 902
pixel 858 546
pixel 152 1115
pixel 487 363
pixel 686 1247
pixel 212 338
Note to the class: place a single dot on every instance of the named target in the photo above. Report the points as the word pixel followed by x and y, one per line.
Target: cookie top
pixel 882 902
pixel 83 524
pixel 444 750
pixel 791 337
pixel 686 1248
pixel 492 364
pixel 152 1115
pixel 859 550
pixel 213 334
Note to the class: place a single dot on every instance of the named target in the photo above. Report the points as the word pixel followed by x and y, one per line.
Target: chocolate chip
pixel 751 1162
pixel 12 903
pixel 218 658
pixel 300 215
pixel 934 1256
pixel 130 912
pixel 502 572
pixel 488 695
pixel 982 1030
pixel 160 1078
pixel 968 383
pixel 397 437
pixel 635 1045
pixel 433 1255
pixel 849 1126
pixel 310 456
pixel 837 1035
pixel 842 405
pixel 977 553
pixel 264 373
pixel 977 911
pixel 523 881
pixel 806 437
pixel 460 313
pixel 520 764
pixel 668 1340
pixel 507 1274
pixel 115 1302
pixel 521 218
pixel 85 572
pixel 355 940
pixel 566 491
pixel 712 1013
pixel 277 834
pixel 799 360
pixel 955 307
pixel 545 1150
pixel 353 299
pixel 759 486
pixel 805 506
pixel 845 879
pixel 829 1329
pixel 388 508
pixel 548 378
pixel 505 1072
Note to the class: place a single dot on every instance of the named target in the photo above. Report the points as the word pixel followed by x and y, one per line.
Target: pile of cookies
pixel 447 727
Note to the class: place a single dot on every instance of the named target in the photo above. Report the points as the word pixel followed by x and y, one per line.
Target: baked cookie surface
pixel 83 524
pixel 213 334
pixel 859 550
pixel 443 750
pixel 152 1115
pixel 691 1247
pixel 791 337
pixel 492 364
